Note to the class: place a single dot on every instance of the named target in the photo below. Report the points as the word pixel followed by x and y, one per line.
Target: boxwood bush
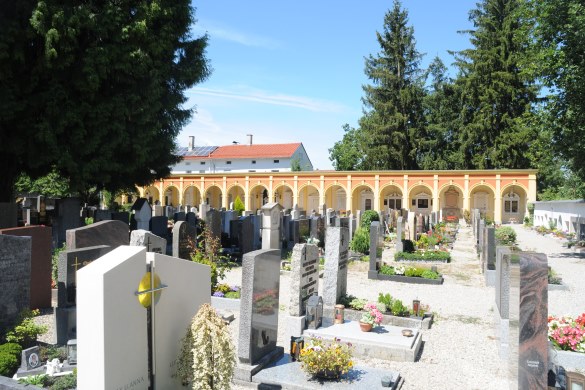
pixel 424 256
pixel 367 218
pixel 360 241
pixel 505 235
pixel 9 358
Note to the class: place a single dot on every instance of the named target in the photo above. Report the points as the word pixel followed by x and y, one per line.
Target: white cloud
pixel 305 103
pixel 226 34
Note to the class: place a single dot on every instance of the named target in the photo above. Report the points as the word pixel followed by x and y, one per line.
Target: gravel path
pixel 460 349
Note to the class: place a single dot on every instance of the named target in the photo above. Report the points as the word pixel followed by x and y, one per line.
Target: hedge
pixel 424 256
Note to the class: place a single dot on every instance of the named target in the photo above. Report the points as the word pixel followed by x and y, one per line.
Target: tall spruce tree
pixel 393 122
pixel 95 89
pixel 497 93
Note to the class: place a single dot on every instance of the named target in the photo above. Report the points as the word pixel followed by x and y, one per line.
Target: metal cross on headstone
pixel 148 291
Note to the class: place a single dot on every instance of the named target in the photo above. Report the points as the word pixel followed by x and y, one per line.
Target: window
pixel 228 162
pixel 423 203
pixel 187 163
pixel 275 170
pixel 276 161
pixel 253 161
pixel 202 162
pixel 368 204
pixel 511 203
pixel 251 170
pixel 188 172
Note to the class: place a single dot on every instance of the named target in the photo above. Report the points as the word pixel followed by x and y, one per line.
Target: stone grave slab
pixel 374 232
pixel 8 215
pixel 336 257
pixel 111 233
pixel 40 263
pixel 184 240
pixel 151 241
pixel 15 254
pixel 289 375
pixel 382 342
pixel 304 277
pixel 159 226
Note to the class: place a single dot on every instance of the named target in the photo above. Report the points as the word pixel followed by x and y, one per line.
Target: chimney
pixel 191 142
pixel 250 135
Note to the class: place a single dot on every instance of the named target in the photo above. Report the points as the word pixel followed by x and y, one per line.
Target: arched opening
pixel 152 195
pixel 451 202
pixel 258 197
pixel 482 197
pixel 284 196
pixel 213 197
pixel 234 192
pixel 192 197
pixel 171 196
pixel 513 204
pixel 309 198
pixel 390 198
pixel 362 199
pixel 420 199
pixel 336 198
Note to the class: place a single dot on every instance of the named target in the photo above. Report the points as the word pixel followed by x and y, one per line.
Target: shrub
pixel 66 382
pixel 207 356
pixel 367 218
pixel 428 274
pixel 27 331
pixel 8 364
pixel 413 272
pixel 12 348
pixel 37 380
pixel 424 256
pixel 239 206
pixel 345 300
pixel 387 270
pixel 360 241
pixel 505 235
pixel 358 304
pixel 398 308
pixel 386 300
pixel 207 251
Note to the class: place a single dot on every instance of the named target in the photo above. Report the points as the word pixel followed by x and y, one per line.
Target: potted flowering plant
pixel 567 334
pixel 370 317
pixel 326 359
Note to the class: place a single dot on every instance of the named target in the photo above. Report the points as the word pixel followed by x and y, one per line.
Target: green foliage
pixel 50 185
pixel 553 277
pixel 393 120
pixel 55 262
pixel 357 303
pixel 8 364
pixel 66 382
pixel 414 272
pixel 295 164
pixel 398 308
pixel 505 235
pixel 239 206
pixel 360 241
pixel 368 217
pixel 11 348
pixel 51 352
pixel 424 256
pixel 27 331
pixel 428 274
pixel 104 96
pixel 345 300
pixel 207 251
pixel 347 155
pixel 386 300
pixel 232 294
pixel 37 380
pixel 387 270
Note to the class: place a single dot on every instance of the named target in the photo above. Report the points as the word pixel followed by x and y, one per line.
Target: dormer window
pixel 228 162
pixel 276 161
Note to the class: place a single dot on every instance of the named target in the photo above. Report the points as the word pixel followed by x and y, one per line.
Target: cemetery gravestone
pixel 67 217
pixel 214 223
pixel 528 360
pixel 336 256
pixel 8 215
pixel 399 233
pixel 15 254
pixel 203 209
pixel 122 216
pixel 490 248
pixel 152 242
pixel 68 264
pixel 271 226
pixel 157 211
pixel 304 277
pixel 159 226
pixel 480 236
pixel 191 218
pixel 40 263
pixel 180 216
pixel 142 213
pixel 258 312
pixel 102 215
pixel 411 232
pixel 184 240
pixel 111 356
pixel 111 233
pixel 256 231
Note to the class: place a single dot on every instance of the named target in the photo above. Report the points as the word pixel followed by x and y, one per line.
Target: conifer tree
pixel 392 122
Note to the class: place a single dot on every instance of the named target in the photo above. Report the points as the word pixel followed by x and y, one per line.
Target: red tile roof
pixel 256 151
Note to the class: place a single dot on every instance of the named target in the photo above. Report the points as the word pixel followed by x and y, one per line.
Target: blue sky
pixel 292 71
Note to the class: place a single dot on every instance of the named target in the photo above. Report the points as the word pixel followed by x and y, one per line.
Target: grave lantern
pixel 339 309
pixel 72 351
pixel 575 381
pixel 415 306
pixel 296 344
pixel 314 312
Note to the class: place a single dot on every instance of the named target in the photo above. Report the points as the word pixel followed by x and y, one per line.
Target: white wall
pixel 561 211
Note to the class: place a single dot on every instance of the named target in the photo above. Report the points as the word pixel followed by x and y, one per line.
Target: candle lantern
pixel 339 309
pixel 296 344
pixel 72 351
pixel 314 312
pixel 415 307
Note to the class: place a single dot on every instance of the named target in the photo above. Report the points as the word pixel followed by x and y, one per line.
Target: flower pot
pixel 328 374
pixel 365 327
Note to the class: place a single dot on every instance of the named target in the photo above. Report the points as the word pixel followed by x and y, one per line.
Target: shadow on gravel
pixel 568 255
pixel 420 351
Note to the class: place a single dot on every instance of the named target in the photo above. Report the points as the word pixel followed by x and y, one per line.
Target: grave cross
pixel 149 290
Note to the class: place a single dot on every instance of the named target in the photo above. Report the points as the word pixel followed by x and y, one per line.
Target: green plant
pixel 358 304
pixel 207 251
pixel 88 220
pixel 207 356
pixel 8 364
pixel 27 331
pixel 367 218
pixel 423 241
pixel 223 287
pixel 387 270
pixel 36 380
pixel 428 274
pixel 360 241
pixel 553 277
pixel 232 294
pixel 239 206
pixel 413 271
pixel 505 235
pixel 320 356
pixel 386 300
pixel 372 314
pixel 51 352
pixel 398 308
pixel 423 256
pixel 345 300
pixel 467 216
pixel 55 263
pixel 66 382
pixel 12 348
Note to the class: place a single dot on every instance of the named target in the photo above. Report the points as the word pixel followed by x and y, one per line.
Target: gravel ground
pixel 460 349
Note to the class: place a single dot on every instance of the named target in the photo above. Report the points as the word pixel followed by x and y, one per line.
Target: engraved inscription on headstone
pixel 304 276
